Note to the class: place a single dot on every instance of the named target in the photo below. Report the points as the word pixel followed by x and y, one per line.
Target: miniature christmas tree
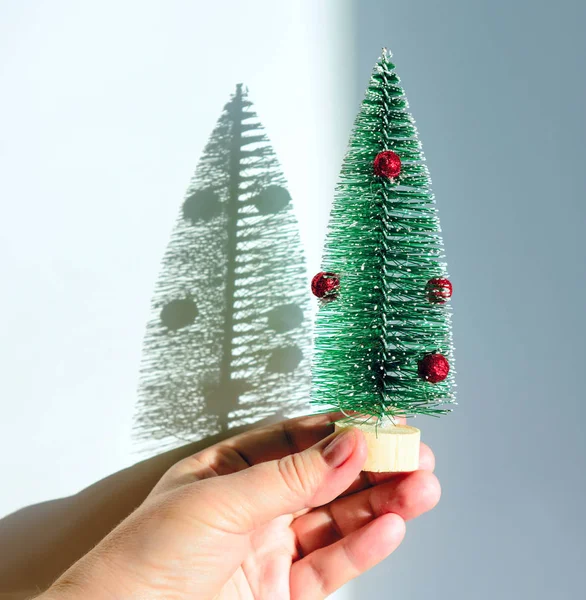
pixel 229 338
pixel 383 343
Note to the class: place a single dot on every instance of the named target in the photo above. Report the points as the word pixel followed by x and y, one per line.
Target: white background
pixel 104 112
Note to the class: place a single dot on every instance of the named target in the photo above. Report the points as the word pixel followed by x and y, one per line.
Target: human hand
pixel 274 513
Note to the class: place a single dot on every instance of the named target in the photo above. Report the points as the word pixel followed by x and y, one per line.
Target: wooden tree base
pixel 391 448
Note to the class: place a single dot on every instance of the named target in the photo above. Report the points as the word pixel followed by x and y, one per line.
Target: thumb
pixel 252 497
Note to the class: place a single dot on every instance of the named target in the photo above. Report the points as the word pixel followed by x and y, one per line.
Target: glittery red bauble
pixel 434 368
pixel 439 290
pixel 325 284
pixel 387 164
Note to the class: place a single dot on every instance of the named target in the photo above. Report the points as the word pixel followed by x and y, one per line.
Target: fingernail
pixel 340 448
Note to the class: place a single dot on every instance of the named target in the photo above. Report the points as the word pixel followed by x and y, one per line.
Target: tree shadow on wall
pixel 228 341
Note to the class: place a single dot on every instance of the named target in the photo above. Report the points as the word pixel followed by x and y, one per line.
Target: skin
pixel 278 512
pixel 53 535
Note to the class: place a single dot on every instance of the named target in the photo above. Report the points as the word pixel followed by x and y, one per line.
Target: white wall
pixel 104 112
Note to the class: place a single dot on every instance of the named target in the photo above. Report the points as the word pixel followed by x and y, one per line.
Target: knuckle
pixel 300 474
pixel 184 472
pixel 191 465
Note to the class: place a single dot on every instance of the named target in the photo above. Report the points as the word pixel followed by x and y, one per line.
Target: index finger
pixel 278 440
pixel 275 441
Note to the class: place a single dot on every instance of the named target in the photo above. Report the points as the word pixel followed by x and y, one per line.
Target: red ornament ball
pixel 434 368
pixel 387 164
pixel 439 290
pixel 325 284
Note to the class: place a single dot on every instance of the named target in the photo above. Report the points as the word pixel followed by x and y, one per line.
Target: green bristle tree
pixel 383 343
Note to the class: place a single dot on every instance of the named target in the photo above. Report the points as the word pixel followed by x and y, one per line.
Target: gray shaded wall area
pixel 499 95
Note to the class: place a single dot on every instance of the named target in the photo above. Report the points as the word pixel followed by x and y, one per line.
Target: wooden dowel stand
pixel 391 448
